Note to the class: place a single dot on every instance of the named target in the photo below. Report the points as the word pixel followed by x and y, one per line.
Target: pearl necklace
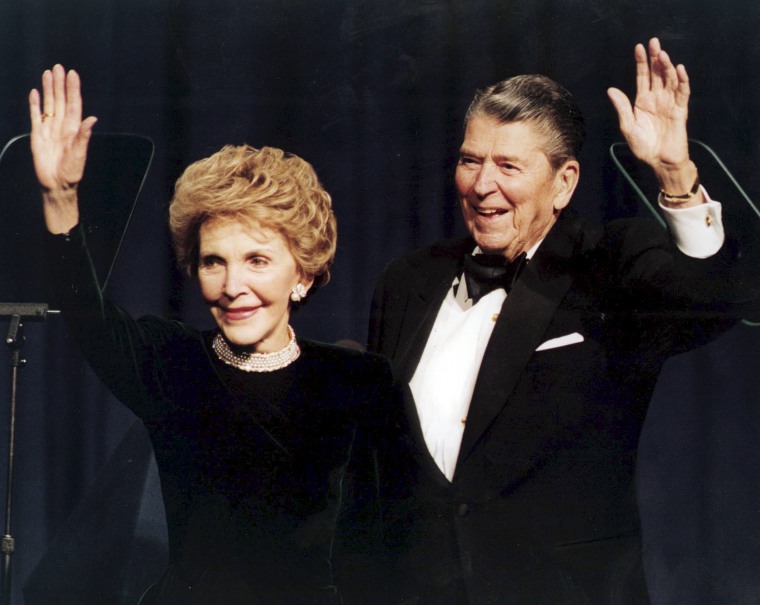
pixel 257 362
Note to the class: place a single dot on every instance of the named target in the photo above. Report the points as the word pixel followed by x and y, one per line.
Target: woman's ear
pixel 301 289
pixel 307 282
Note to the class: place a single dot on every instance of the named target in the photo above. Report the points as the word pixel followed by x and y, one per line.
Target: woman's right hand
pixel 59 145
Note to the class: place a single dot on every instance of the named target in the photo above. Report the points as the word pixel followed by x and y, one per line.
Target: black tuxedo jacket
pixel 542 507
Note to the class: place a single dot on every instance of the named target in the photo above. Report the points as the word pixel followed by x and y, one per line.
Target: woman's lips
pixel 240 313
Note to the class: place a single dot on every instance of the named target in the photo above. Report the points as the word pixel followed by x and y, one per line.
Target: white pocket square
pixel 562 341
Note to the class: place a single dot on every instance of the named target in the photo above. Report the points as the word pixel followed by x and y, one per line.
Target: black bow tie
pixel 483 273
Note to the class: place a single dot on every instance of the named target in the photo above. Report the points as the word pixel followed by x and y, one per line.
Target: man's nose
pixel 484 182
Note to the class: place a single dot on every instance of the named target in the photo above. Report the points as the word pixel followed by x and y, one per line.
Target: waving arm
pixel 655 125
pixel 59 145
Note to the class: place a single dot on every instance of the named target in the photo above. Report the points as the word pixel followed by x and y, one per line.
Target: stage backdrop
pixel 372 92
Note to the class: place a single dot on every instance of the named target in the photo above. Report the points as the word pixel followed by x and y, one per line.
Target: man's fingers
pixel 659 74
pixel 654 47
pixel 683 89
pixel 667 71
pixel 643 82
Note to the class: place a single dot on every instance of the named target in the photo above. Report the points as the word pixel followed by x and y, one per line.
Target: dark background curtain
pixel 372 92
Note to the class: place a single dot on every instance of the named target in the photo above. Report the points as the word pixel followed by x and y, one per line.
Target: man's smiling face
pixel 508 191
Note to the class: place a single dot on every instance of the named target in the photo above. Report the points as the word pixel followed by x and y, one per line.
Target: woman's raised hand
pixel 59 145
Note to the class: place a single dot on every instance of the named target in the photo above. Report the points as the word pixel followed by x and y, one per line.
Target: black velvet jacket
pixel 269 498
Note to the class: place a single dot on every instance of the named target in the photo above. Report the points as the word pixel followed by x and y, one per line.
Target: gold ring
pixel 46 115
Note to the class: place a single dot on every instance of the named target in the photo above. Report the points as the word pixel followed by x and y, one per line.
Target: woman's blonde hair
pixel 278 190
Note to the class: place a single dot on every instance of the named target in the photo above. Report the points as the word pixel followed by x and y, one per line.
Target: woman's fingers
pixel 73 98
pixel 59 92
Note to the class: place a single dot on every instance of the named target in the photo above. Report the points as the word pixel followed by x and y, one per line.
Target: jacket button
pixel 463 510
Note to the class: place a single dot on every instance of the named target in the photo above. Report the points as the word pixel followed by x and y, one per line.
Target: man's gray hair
pixel 540 101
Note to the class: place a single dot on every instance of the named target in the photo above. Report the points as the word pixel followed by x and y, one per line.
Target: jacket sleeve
pixel 387 309
pixel 376 314
pixel 366 553
pixel 654 284
pixel 125 354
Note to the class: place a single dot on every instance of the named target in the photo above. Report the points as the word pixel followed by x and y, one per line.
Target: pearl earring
pixel 298 293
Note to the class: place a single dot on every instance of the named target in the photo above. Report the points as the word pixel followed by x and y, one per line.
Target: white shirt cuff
pixel 698 230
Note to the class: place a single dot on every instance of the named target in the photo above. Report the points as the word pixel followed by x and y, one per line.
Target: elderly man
pixel 531 348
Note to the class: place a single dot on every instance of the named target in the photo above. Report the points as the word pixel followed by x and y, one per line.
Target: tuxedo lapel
pixel 425 298
pixel 433 279
pixel 523 320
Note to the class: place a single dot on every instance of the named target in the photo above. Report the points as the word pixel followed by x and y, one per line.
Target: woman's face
pixel 246 274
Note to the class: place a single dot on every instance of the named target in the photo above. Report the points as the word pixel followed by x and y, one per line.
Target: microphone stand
pixel 18 312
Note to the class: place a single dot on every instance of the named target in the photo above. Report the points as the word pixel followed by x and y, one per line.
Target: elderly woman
pixel 264 441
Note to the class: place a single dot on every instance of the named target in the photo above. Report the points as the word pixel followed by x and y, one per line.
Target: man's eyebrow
pixel 506 157
pixel 498 157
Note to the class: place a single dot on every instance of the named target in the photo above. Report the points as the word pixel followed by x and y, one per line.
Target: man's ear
pixel 566 179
